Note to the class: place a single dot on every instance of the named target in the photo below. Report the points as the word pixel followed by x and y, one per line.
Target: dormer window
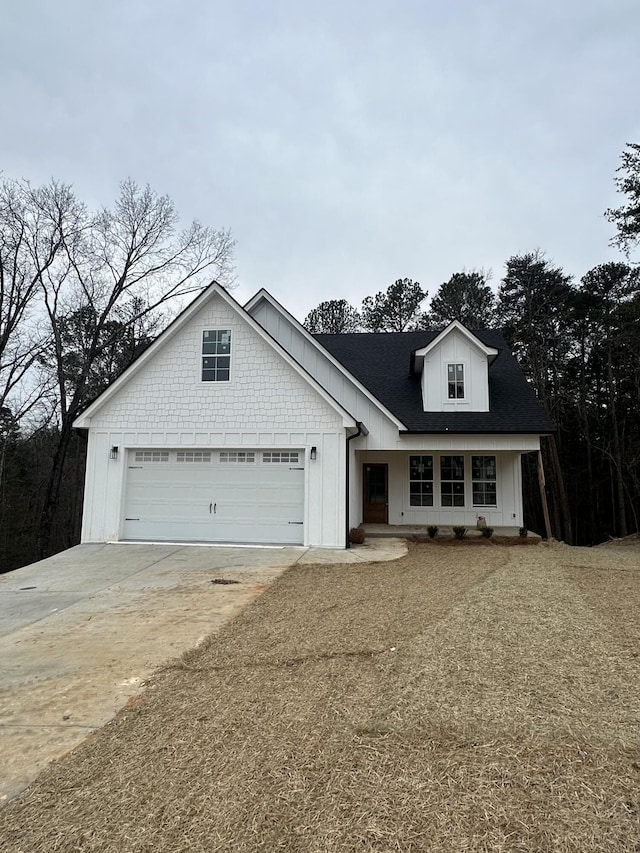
pixel 455 381
pixel 216 355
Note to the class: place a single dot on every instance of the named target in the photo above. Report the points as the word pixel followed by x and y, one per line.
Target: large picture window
pixel 483 473
pixel 216 355
pixel 452 480
pixel 455 381
pixel 421 480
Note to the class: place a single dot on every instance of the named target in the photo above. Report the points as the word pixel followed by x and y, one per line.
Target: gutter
pixel 362 430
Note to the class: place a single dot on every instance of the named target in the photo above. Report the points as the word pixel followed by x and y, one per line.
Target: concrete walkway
pixel 81 631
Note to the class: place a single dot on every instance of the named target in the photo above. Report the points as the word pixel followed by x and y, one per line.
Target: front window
pixel 216 355
pixel 452 480
pixel 483 473
pixel 455 381
pixel 421 480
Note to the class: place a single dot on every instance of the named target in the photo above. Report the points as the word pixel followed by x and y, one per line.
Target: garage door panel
pixel 214 501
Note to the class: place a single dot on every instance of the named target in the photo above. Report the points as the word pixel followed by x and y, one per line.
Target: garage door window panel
pixel 280 457
pixel 237 457
pixel 152 456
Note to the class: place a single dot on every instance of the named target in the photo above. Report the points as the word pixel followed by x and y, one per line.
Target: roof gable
pixel 179 323
pixel 420 354
pixel 264 295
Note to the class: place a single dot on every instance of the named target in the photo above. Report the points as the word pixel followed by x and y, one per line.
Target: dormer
pixel 454 370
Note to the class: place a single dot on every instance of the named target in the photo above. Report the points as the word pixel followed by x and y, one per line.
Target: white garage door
pixel 215 496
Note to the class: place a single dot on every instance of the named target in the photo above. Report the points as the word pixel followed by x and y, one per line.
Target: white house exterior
pixel 237 425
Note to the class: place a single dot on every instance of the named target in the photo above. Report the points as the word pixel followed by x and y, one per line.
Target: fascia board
pixel 264 294
pixel 457 325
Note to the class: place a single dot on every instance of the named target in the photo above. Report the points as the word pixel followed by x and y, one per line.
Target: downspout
pixel 362 430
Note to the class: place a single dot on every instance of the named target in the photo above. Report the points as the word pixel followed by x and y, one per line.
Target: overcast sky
pixel 346 144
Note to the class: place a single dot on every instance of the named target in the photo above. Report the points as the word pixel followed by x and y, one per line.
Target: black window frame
pixel 452 481
pixel 216 355
pixel 421 487
pixel 455 384
pixel 481 481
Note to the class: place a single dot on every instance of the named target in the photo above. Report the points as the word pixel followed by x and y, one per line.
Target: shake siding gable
pixel 264 392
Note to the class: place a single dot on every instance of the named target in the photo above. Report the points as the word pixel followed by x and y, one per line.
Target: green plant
pixel 432 530
pixel 523 532
pixel 459 531
pixel 356 536
pixel 487 532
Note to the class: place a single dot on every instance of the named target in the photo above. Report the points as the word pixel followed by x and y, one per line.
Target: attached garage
pixel 215 495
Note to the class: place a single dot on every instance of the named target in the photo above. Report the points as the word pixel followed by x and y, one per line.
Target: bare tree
pixel 65 268
pixel 34 224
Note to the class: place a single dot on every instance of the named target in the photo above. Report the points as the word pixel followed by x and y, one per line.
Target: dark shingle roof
pixel 381 361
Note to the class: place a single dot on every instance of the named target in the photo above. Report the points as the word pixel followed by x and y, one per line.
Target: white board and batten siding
pixel 165 406
pixel 382 429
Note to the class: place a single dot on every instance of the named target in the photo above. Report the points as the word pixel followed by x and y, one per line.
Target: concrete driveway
pixel 81 631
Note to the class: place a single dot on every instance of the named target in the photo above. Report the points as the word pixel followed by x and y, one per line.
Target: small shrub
pixel 356 536
pixel 487 532
pixel 459 531
pixel 523 532
pixel 432 530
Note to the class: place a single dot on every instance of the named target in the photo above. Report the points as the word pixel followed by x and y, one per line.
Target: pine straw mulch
pixel 476 540
pixel 455 700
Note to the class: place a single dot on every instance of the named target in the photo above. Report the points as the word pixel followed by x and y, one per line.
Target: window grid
pixel 216 355
pixel 484 477
pixel 194 456
pixel 237 456
pixel 452 480
pixel 421 481
pixel 455 381
pixel 280 457
pixel 152 456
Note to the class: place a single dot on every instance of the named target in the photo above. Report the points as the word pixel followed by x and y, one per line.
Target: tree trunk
pixel 563 501
pixel 543 496
pixel 622 529
pixel 52 492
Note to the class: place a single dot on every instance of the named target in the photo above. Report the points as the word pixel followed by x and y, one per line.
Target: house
pixel 237 425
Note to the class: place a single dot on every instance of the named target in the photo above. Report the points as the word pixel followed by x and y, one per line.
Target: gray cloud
pixel 345 144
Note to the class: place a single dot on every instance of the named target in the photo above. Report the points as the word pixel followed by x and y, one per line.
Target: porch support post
pixel 543 496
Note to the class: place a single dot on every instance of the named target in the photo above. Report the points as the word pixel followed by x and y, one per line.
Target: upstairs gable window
pixel 455 381
pixel 216 355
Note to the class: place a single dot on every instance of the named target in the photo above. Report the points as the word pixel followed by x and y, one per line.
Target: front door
pixel 375 497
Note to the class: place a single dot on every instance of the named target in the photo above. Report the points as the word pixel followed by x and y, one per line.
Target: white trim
pixel 264 294
pixel 84 420
pixel 455 325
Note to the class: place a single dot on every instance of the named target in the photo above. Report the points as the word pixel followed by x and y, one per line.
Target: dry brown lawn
pixel 459 699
